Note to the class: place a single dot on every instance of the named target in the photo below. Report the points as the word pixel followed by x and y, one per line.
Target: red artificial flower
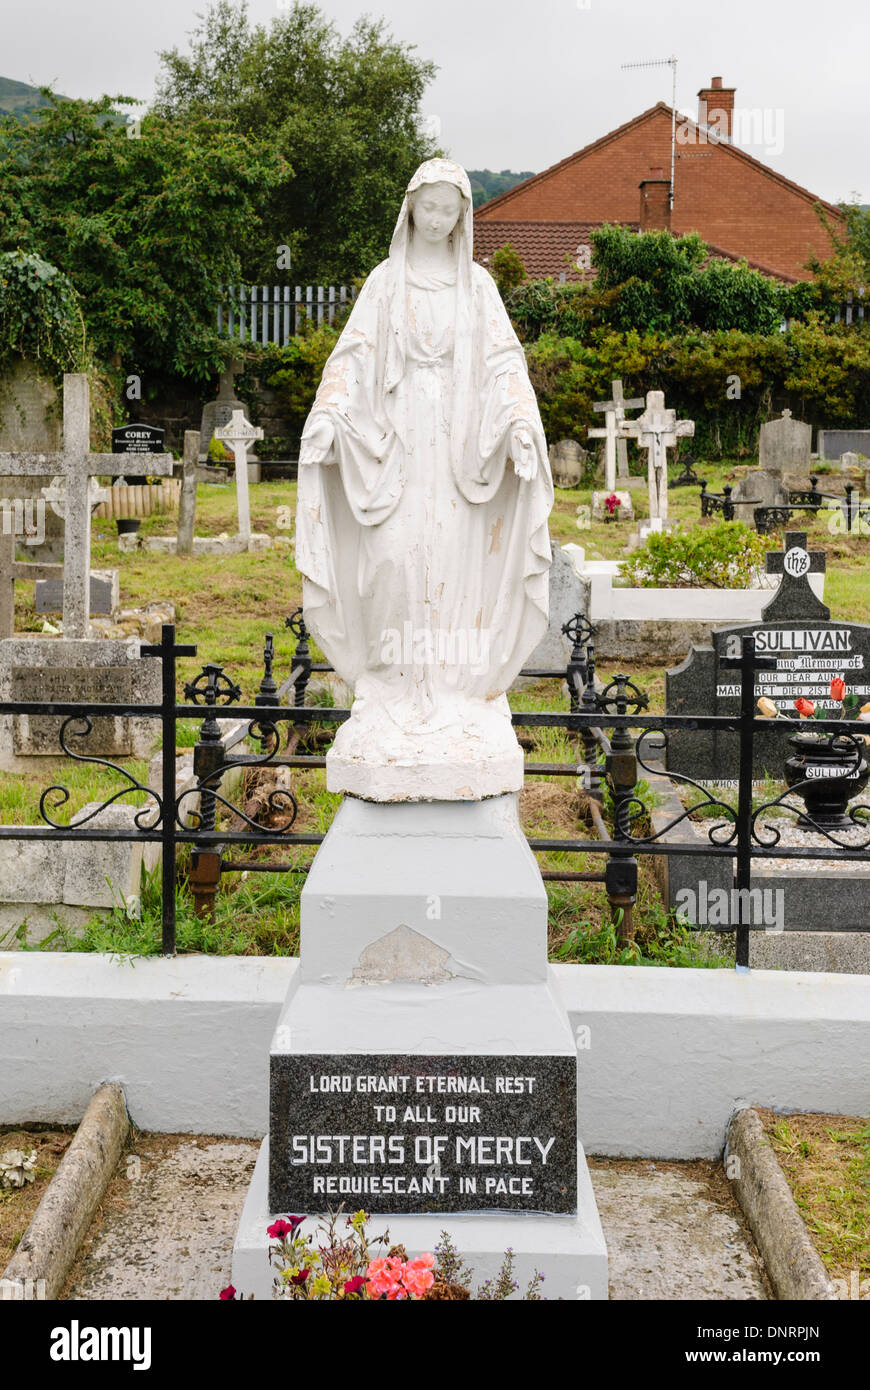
pixel 838 689
pixel 355 1285
pixel 280 1229
pixel 228 1294
pixel 806 708
pixel 612 502
pixel 299 1279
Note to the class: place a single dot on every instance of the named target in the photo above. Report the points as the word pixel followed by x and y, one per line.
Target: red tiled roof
pixel 545 248
pixel 502 201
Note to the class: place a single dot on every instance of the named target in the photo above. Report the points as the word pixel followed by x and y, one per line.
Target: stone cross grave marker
pixel 794 598
pixel 77 465
pixel 615 448
pixel 239 434
pixel 657 430
pixel 809 648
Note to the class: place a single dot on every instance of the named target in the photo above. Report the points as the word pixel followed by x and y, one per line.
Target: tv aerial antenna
pixel 672 64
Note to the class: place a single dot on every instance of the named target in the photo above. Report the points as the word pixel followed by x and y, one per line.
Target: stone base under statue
pixel 423 1066
pixel 468 751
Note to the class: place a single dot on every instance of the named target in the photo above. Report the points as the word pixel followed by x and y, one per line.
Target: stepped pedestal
pixel 423 1067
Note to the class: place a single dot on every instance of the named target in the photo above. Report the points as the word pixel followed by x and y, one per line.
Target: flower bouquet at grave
pixel 613 504
pixel 343 1266
pixel 826 768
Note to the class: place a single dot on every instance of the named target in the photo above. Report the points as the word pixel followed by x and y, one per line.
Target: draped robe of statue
pixel 425 557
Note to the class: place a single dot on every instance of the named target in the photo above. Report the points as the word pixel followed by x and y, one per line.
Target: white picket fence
pixel 276 313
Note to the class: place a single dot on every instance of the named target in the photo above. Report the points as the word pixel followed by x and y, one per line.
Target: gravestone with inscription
pixel 810 648
pixel 423 1066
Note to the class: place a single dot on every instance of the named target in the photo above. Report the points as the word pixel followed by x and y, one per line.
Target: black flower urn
pixel 833 772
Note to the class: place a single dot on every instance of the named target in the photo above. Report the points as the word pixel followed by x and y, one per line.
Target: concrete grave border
pixel 665 1056
pixel 49 1246
pixel 792 1262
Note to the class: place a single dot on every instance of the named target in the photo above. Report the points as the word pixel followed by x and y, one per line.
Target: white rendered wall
pixel 667 1056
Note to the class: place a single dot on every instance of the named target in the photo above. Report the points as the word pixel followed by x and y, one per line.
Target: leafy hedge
pixel 39 314
pixel 723 556
pixel 729 382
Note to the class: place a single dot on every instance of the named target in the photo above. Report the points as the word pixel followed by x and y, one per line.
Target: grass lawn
pixel 227 605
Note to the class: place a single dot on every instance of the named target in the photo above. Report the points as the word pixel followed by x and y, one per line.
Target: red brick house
pixel 742 208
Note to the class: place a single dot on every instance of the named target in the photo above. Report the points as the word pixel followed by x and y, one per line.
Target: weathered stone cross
pixel 77 465
pixel 795 599
pixel 658 430
pixel 615 451
pixel 239 434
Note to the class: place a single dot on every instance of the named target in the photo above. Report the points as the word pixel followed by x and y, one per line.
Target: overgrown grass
pixel 826 1159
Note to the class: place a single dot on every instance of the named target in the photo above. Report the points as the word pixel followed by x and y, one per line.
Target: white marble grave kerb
pixel 78 467
pixel 240 434
pixel 658 430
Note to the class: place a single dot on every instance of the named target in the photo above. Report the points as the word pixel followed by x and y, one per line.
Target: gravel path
pixel 169 1219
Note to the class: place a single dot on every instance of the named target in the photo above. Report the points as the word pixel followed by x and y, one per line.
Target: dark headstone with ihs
pixel 810 649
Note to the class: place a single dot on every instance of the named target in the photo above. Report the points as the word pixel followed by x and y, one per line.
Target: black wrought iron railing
pixel 618 738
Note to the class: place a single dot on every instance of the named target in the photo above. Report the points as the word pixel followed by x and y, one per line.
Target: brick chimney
pixel 655 202
pixel 716 108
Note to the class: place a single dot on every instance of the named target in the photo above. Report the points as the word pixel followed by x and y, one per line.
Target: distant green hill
pixel 486 185
pixel 19 98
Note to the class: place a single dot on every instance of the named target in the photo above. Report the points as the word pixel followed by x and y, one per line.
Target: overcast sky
pixel 523 83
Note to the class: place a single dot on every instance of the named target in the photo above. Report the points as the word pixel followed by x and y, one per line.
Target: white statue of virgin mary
pixel 424 497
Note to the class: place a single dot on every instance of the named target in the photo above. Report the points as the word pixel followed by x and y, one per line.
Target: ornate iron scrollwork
pixel 63 794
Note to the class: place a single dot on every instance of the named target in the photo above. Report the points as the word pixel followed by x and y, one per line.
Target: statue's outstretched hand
pixel 318 442
pixel 524 455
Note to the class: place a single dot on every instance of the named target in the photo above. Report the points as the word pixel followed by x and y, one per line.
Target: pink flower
pixel 280 1229
pixel 228 1294
pixel 417 1275
pixel 354 1285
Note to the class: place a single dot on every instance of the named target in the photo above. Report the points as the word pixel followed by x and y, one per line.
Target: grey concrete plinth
pixel 568 1250
pixel 424 1065
pixel 453 879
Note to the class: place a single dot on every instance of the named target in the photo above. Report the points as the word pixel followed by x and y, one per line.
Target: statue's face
pixel 435 208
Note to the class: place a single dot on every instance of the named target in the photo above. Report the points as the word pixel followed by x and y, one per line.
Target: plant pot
pixel 128 526
pixel 834 772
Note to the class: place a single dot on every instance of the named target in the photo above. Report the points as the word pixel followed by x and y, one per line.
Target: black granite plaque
pixel 405 1135
pixel 810 648
pixel 138 439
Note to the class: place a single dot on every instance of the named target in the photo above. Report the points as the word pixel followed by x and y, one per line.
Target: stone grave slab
pixel 785 445
pixel 35 735
pixel 760 488
pixel 569 595
pixel 105 593
pixel 834 443
pixel 39 669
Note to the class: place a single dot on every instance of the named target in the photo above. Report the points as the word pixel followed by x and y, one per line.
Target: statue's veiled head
pixel 435 210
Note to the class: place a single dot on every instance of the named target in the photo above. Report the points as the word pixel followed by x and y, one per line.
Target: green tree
pixel 508 270
pixel 146 229
pixel 344 113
